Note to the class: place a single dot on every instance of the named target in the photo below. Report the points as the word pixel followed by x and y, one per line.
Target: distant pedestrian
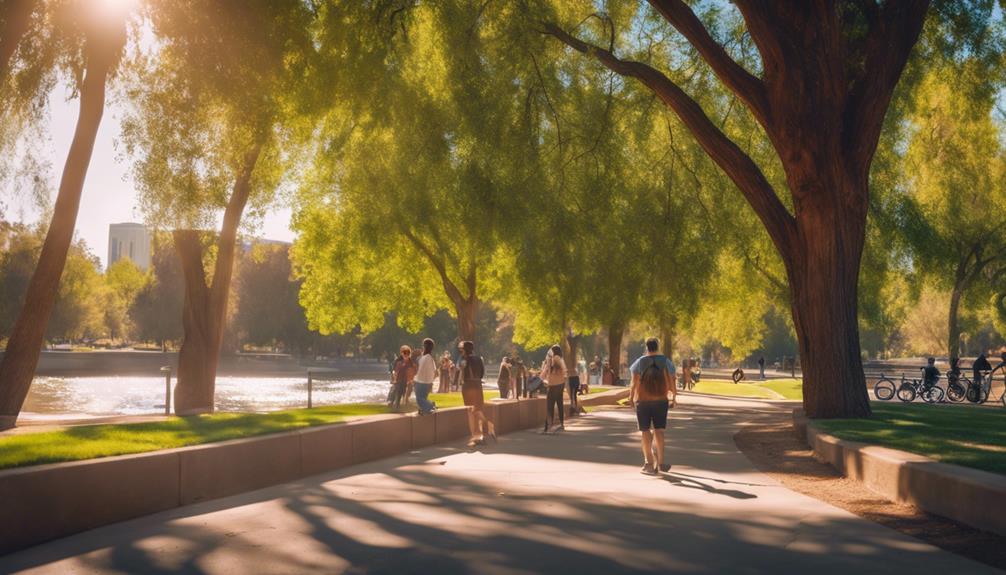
pixel 979 368
pixel 446 369
pixel 573 381
pixel 503 380
pixel 519 377
pixel 402 372
pixel 426 374
pixel 652 380
pixel 473 369
pixel 553 373
pixel 761 368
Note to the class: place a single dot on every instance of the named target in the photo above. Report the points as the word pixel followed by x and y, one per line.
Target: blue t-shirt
pixel 658 359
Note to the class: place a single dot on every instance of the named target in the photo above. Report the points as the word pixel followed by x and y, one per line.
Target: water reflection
pixel 145 395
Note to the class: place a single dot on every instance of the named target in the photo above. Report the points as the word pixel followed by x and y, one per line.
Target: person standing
pixel 652 379
pixel 473 369
pixel 519 377
pixel 403 370
pixel 446 368
pixel 553 373
pixel 761 368
pixel 426 374
pixel 573 381
pixel 503 380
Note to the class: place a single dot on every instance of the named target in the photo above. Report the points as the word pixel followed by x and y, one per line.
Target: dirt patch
pixel 773 447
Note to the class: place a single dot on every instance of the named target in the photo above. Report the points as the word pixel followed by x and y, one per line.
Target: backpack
pixel 652 379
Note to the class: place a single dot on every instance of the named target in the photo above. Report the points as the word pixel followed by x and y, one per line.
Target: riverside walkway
pixel 569 503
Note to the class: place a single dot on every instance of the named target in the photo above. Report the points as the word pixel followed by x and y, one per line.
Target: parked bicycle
pixel 908 389
pixel 979 391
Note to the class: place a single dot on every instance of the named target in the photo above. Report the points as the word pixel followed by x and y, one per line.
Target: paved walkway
pixel 570 503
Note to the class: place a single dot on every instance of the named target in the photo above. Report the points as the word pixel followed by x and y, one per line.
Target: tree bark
pixel 823 275
pixel 467 311
pixel 21 356
pixel 571 345
pixel 197 363
pixel 615 333
pixel 205 308
pixel 953 320
pixel 667 340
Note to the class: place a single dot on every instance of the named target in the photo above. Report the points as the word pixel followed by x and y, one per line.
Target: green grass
pixel 91 441
pixel 715 387
pixel 787 388
pixel 958 434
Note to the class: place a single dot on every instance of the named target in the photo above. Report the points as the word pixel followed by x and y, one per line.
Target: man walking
pixel 652 379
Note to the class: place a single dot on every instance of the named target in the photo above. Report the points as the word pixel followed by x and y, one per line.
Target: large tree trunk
pixel 467 311
pixel 200 351
pixel 615 333
pixel 570 350
pixel 21 356
pixel 205 310
pixel 667 340
pixel 823 270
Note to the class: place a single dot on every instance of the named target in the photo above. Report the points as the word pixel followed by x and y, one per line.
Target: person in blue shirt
pixel 652 379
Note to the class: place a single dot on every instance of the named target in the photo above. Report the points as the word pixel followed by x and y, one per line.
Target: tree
pixel 124 280
pixel 207 131
pixel 156 311
pixel 954 168
pixel 828 71
pixel 77 313
pixel 419 168
pixel 268 310
pixel 94 39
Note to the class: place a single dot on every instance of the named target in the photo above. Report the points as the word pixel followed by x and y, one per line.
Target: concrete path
pixel 569 503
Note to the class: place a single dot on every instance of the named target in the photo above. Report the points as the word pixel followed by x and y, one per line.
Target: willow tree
pixel 955 164
pixel 209 110
pixel 43 41
pixel 827 73
pixel 420 163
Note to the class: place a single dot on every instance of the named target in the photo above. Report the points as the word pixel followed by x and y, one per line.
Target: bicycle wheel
pixel 883 389
pixel 906 392
pixel 957 391
pixel 933 394
pixel 975 393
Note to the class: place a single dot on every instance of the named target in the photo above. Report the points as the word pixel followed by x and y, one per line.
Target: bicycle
pixel 957 387
pixel 912 388
pixel 979 391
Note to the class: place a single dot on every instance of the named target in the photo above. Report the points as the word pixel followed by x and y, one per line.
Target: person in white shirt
pixel 426 374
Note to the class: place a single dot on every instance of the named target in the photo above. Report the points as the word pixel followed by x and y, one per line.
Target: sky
pixel 109 195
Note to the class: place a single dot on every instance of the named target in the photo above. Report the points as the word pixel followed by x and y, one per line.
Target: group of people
pixel 408 374
pixel 652 391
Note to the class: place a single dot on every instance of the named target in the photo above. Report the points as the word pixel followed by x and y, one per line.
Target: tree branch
pixel 738 166
pixel 745 85
pixel 450 288
pixel 892 36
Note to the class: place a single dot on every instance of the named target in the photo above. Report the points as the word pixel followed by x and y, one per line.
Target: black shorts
pixel 652 414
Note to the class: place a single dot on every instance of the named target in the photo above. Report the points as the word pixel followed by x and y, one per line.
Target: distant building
pixel 129 240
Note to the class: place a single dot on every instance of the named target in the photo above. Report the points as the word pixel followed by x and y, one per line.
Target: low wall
pixel 971 496
pixel 46 502
pixel 604 398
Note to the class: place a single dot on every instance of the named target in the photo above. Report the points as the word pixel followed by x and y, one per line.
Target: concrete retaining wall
pixel 46 502
pixel 971 496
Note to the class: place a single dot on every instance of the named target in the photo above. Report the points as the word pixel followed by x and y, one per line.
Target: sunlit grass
pixel 715 387
pixel 91 441
pixel 958 434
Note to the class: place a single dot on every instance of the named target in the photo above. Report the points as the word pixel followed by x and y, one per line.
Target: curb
pixel 970 496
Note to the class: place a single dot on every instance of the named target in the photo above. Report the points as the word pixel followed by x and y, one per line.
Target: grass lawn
pixel 958 434
pixel 717 387
pixel 787 388
pixel 90 441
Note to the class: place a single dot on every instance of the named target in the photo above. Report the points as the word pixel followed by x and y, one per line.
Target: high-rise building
pixel 129 240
